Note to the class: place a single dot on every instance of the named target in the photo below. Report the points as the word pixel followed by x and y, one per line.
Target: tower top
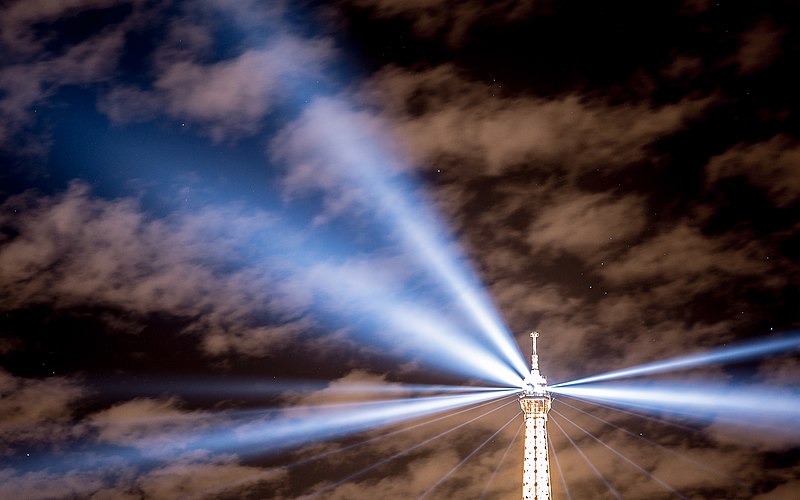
pixel 535 382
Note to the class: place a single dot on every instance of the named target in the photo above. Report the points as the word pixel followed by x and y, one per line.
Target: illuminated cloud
pixel 181 479
pixel 75 250
pixel 36 410
pixel 759 47
pixel 773 166
pixel 433 18
pixel 227 99
pixel 26 84
pixel 684 253
pixel 440 114
pixel 19 19
pixel 155 428
pixel 194 480
pixel 119 258
pixel 587 223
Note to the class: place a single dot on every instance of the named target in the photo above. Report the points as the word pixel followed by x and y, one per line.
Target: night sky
pixel 207 220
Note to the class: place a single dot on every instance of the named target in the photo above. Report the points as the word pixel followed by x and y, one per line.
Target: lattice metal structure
pixel 535 402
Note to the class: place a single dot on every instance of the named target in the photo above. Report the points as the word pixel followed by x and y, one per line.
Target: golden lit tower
pixel 535 402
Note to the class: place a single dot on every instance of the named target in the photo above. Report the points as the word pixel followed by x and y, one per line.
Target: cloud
pixel 73 250
pixel 36 410
pixel 229 98
pixel 773 166
pixel 439 113
pixel 197 480
pixel 587 223
pixel 42 414
pixel 440 18
pixel 339 390
pixel 26 84
pixel 759 47
pixel 183 479
pixel 330 149
pixel 20 19
pixel 785 491
pixel 44 485
pixel 157 428
pixel 129 104
pixel 225 99
pixel 436 118
pixel 682 254
pixel 40 63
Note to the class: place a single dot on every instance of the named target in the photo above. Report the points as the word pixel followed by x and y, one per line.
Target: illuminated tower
pixel 535 402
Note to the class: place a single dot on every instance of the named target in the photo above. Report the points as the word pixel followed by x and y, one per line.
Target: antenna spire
pixel 534 356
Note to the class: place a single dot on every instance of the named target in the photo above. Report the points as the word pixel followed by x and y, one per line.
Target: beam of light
pixel 328 453
pixel 369 166
pixel 162 437
pixel 255 388
pixel 502 459
pixel 365 165
pixel 379 309
pixel 744 405
pixel 474 302
pixel 470 455
pixel 558 467
pixel 740 352
pixel 414 328
pixel 303 425
pixel 624 457
pixel 649 441
pixel 586 459
pixel 636 414
pixel 464 352
pixel 382 312
pixel 388 459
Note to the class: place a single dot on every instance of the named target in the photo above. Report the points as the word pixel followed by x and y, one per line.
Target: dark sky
pixel 193 225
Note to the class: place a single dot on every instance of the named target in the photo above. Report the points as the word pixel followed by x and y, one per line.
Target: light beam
pixel 740 352
pixel 748 404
